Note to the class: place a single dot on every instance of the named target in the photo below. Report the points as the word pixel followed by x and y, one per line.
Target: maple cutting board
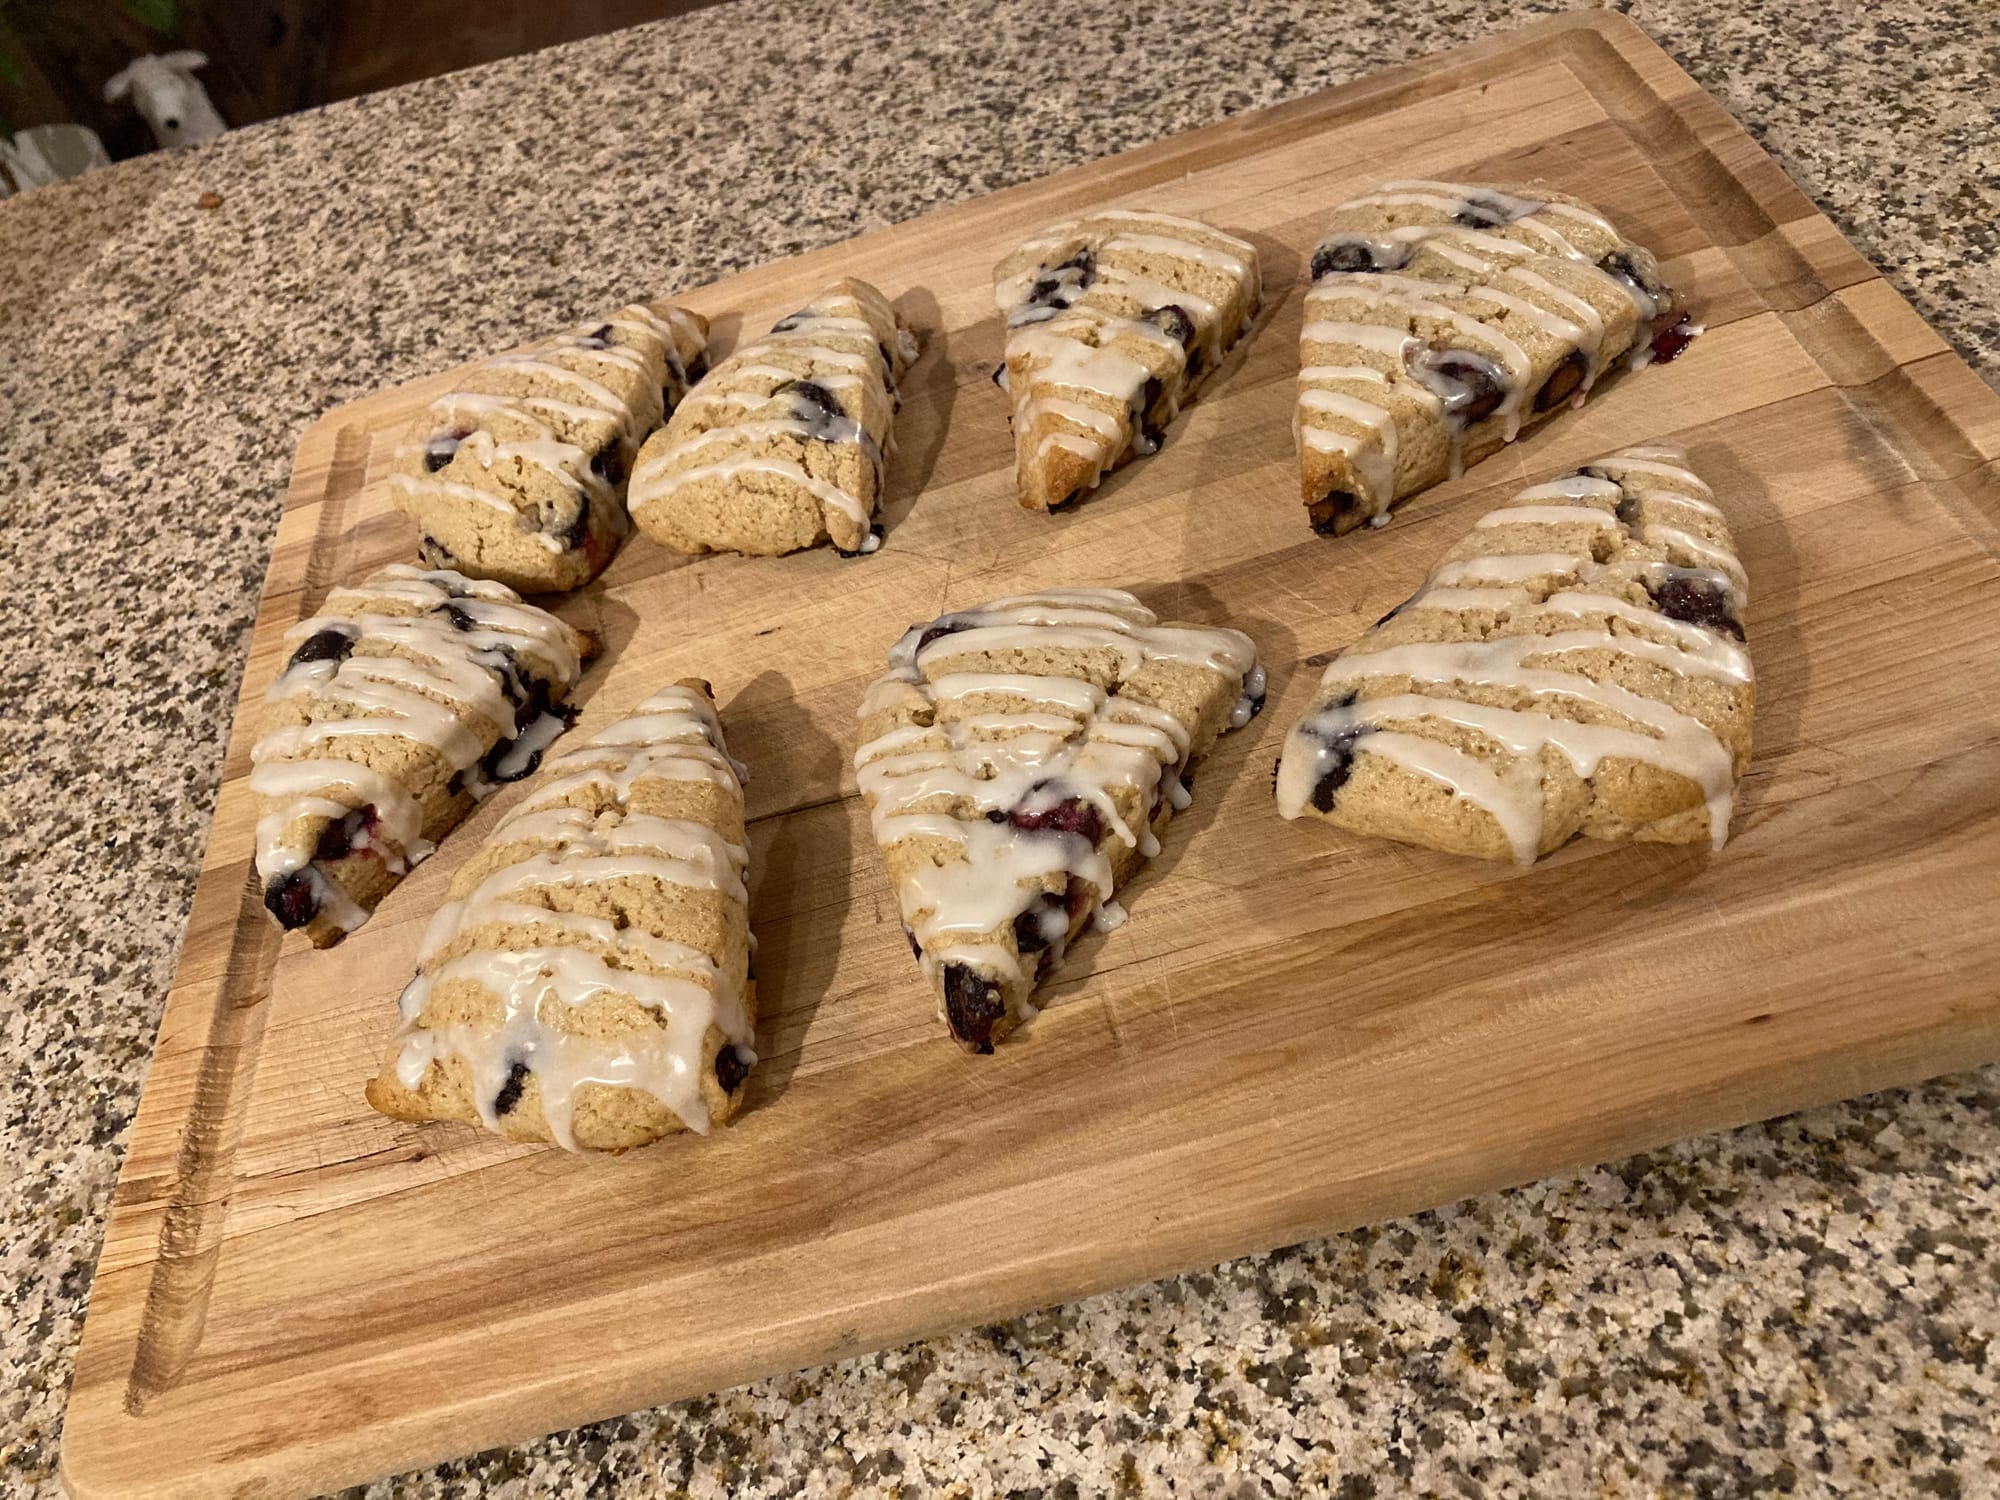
pixel 1295 1032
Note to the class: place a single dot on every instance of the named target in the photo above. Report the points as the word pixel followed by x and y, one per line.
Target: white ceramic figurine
pixel 170 97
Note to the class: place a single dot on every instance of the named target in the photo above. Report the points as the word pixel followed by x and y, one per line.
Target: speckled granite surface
pixel 1809 1306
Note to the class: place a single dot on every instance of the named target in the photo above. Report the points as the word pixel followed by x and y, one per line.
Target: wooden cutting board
pixel 1296 1031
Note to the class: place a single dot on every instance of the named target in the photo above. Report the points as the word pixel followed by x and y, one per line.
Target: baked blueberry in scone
pixel 1445 318
pixel 1019 761
pixel 587 980
pixel 1575 665
pixel 519 474
pixel 403 702
pixel 1114 321
pixel 783 445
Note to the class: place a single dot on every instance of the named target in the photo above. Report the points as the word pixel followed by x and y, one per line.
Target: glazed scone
pixel 1113 323
pixel 783 445
pixel 588 980
pixel 1443 319
pixel 1575 665
pixel 405 700
pixel 519 474
pixel 1019 761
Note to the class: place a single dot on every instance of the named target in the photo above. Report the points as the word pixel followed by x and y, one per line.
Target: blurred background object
pixel 48 153
pixel 265 58
pixel 169 96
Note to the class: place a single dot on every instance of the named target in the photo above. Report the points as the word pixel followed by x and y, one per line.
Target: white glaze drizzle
pixel 437 672
pixel 1512 275
pixel 1063 343
pixel 976 746
pixel 751 397
pixel 457 427
pixel 575 958
pixel 1642 728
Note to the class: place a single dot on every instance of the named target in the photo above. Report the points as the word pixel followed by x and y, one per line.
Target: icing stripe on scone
pixel 1008 791
pixel 1442 318
pixel 798 422
pixel 583 905
pixel 1112 322
pixel 1623 646
pixel 404 699
pixel 542 439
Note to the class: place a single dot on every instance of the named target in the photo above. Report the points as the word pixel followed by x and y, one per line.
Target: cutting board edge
pixel 1943 1050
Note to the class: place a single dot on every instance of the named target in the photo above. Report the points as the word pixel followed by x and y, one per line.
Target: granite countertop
pixel 1805 1305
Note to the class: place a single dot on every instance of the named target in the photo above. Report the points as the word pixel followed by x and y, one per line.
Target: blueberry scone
pixel 519 474
pixel 1019 761
pixel 1113 322
pixel 1443 319
pixel 1575 665
pixel 783 445
pixel 587 982
pixel 404 701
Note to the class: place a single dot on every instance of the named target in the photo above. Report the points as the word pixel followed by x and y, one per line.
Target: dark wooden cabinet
pixel 272 57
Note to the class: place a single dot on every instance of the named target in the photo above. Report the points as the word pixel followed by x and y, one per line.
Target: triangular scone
pixel 1113 322
pixel 1575 665
pixel 1443 319
pixel 783 445
pixel 518 474
pixel 1019 761
pixel 588 980
pixel 405 700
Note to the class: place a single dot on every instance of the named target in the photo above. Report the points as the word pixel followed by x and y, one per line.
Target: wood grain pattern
pixel 1297 1031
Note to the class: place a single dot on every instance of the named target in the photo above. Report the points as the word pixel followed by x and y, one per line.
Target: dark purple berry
pixel 697 368
pixel 1681 594
pixel 1481 212
pixel 1150 435
pixel 291 899
pixel 1043 925
pixel 1471 385
pixel 1056 287
pixel 435 552
pixel 337 839
pixel 1563 382
pixel 815 401
pixel 1628 512
pixel 597 338
pixel 1669 342
pixel 608 463
pixel 941 626
pixel 1327 514
pixel 1173 320
pixel 1338 758
pixel 460 617
pixel 510 1091
pixel 916 948
pixel 730 1068
pixel 973 1005
pixel 438 451
pixel 1344 255
pixel 331 644
pixel 1071 815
